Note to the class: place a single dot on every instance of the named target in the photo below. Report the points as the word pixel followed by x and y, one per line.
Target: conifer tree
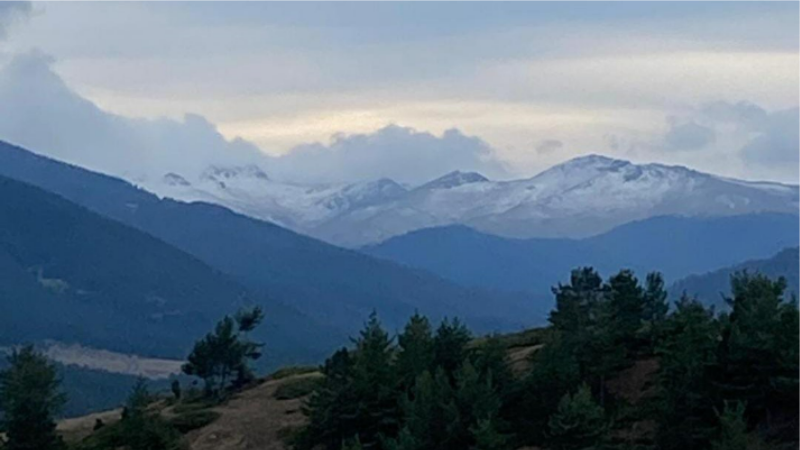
pixel 30 397
pixel 487 437
pixel 450 345
pixel 655 308
pixel 415 350
pixel 758 362
pixel 627 308
pixel 687 357
pixel 732 429
pixel 579 423
pixel 373 383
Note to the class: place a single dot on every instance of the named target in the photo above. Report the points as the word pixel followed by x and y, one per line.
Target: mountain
pixel 73 276
pixel 579 198
pixel 334 287
pixel 712 287
pixel 676 246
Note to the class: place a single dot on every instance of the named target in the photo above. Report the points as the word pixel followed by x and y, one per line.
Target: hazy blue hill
pixel 338 287
pixel 71 275
pixel 676 246
pixel 712 287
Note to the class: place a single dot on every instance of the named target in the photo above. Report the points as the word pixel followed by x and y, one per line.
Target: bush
pixel 290 371
pixel 186 407
pixel 298 387
pixel 189 421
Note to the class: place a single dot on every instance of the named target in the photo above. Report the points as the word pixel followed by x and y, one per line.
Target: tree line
pixel 723 381
pixel 618 367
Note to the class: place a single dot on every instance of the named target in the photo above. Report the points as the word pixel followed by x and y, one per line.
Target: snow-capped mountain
pixel 581 197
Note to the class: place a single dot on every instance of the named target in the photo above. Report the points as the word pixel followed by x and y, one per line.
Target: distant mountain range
pixel 714 286
pixel 315 294
pixel 675 246
pixel 579 198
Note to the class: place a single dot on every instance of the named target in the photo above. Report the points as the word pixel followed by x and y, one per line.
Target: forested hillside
pixel 333 287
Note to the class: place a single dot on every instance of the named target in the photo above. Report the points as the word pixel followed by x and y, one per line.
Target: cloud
pixel 396 152
pixel 40 112
pixel 549 146
pixel 10 12
pixel 688 136
pixel 778 142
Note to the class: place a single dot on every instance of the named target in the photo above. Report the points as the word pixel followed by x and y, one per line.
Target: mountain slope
pixel 676 246
pixel 712 287
pixel 581 197
pixel 337 287
pixel 77 277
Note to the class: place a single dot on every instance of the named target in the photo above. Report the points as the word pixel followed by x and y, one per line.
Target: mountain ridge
pixel 581 197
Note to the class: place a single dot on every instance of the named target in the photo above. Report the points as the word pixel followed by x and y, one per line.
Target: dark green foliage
pixel 225 353
pixel 175 387
pixel 291 371
pixel 450 344
pixel 579 423
pixel 487 437
pixel 415 350
pixel 297 387
pixel 758 355
pixel 688 354
pixel 29 399
pixel 193 420
pixel 732 429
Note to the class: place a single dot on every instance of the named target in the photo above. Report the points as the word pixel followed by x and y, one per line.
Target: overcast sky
pixel 340 92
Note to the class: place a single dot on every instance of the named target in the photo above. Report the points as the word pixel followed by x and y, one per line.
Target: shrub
pixel 193 420
pixel 298 387
pixel 290 371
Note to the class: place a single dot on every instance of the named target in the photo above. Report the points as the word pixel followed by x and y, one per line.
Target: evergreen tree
pixel 490 359
pixel 224 355
pixel 732 429
pixel 352 444
pixel 449 345
pixel 576 302
pixel 487 437
pixel 655 308
pixel 687 356
pixel 373 383
pixel 415 350
pixel 143 429
pixel 578 424
pixel 758 358
pixel 29 399
pixel 627 309
pixel 554 372
pixel 332 407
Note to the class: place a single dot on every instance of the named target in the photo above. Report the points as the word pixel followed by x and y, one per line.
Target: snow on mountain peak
pixel 454 179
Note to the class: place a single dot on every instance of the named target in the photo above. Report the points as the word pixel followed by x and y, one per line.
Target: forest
pixel 618 367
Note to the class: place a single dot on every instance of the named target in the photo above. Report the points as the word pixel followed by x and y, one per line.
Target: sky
pixel 333 92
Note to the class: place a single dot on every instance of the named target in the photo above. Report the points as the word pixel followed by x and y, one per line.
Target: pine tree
pixel 758 362
pixel 490 359
pixel 29 398
pixel 415 350
pixel 332 407
pixel 732 429
pixel 579 422
pixel 487 437
pixel 449 345
pixel 627 309
pixel 687 356
pixel 655 308
pixel 143 429
pixel 223 356
pixel 576 301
